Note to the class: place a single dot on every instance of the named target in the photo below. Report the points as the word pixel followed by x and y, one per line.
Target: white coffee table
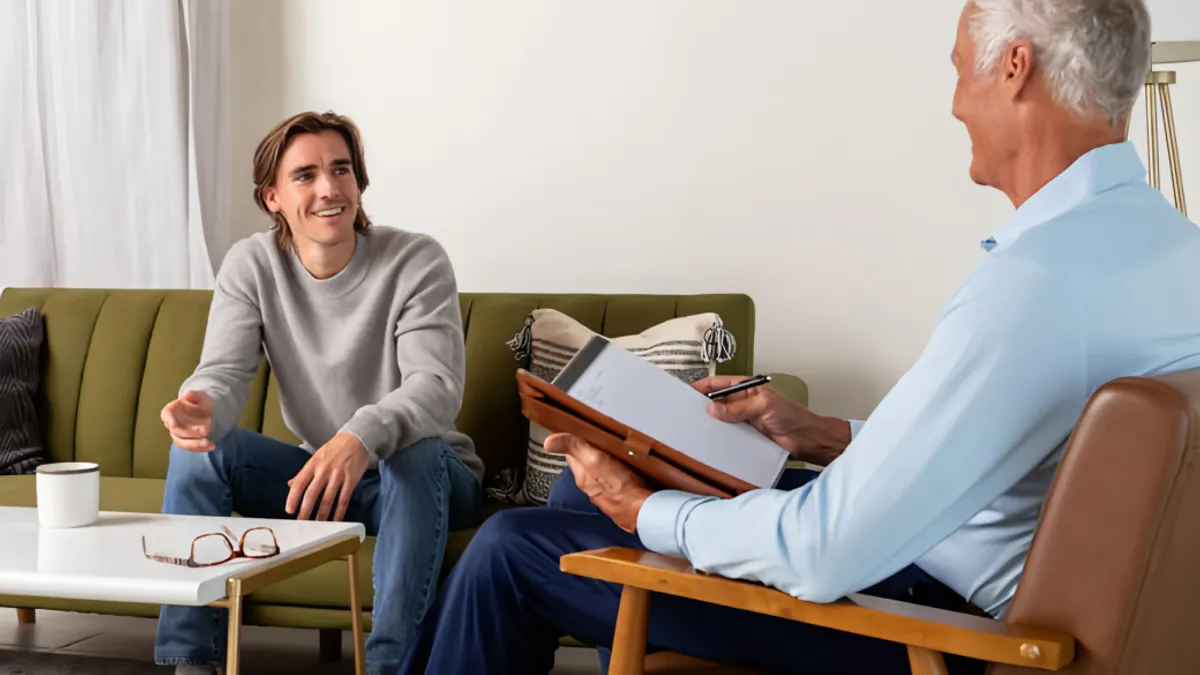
pixel 104 561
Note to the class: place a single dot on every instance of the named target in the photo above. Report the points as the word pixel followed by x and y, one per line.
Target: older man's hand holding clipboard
pixel 608 404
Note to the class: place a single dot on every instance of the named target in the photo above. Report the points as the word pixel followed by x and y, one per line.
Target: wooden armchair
pixel 1111 585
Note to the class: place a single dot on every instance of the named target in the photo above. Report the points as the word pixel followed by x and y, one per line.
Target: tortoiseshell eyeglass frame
pixel 235 544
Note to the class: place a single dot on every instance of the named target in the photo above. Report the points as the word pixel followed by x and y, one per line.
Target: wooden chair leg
pixel 26 615
pixel 926 661
pixel 331 645
pixel 629 639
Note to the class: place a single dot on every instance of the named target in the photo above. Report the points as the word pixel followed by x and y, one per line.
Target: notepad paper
pixel 643 396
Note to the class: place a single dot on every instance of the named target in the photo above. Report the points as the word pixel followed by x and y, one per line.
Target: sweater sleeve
pixel 430 354
pixel 232 343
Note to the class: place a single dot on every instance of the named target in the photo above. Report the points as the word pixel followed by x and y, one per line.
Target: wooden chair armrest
pixel 915 625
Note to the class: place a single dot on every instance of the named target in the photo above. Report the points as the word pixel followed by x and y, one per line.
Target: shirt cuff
pixel 660 522
pixel 855 427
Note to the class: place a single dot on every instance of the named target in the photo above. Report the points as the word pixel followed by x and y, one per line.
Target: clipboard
pixel 549 405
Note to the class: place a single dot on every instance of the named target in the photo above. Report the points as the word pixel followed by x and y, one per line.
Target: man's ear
pixel 1016 67
pixel 269 199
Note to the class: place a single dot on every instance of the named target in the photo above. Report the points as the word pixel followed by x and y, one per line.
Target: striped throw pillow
pixel 21 336
pixel 688 347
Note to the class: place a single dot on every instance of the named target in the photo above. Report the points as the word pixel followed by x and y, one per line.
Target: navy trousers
pixel 505 605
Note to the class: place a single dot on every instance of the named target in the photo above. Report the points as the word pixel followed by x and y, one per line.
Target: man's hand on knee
pixel 330 476
pixel 189 421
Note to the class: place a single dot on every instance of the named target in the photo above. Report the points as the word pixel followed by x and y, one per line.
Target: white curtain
pixel 114 133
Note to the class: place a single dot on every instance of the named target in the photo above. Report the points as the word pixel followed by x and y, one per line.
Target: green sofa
pixel 113 359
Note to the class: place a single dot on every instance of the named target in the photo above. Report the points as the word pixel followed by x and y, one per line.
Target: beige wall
pixel 799 152
pixel 256 57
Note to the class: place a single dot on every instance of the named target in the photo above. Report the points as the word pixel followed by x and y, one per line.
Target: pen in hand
pixel 756 381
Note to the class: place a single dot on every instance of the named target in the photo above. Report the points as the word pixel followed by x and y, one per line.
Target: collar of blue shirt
pixel 1094 172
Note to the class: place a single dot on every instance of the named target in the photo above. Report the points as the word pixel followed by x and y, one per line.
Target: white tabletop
pixel 104 561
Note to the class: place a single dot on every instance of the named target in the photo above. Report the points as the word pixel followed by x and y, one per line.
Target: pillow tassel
pixel 522 342
pixel 719 344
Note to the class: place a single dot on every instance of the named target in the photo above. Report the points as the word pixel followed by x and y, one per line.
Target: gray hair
pixel 1093 53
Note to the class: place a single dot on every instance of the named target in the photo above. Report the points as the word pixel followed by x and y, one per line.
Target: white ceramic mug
pixel 68 494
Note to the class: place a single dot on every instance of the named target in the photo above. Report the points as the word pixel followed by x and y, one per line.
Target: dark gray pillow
pixel 21 338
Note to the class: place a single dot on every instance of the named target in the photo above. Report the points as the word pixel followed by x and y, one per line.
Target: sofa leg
pixel 26 615
pixel 331 645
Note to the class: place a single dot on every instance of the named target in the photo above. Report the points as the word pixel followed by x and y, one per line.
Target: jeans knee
pixel 232 441
pixel 187 461
pixel 235 441
pixel 427 455
pixel 226 451
pixel 197 483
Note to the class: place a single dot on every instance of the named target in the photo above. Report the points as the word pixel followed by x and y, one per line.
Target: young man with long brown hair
pixel 362 329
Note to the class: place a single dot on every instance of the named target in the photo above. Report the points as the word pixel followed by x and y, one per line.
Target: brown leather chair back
pixel 1116 557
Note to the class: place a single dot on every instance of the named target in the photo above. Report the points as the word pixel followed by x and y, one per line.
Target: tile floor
pixel 90 644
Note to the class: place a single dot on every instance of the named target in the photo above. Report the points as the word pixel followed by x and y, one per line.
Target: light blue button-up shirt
pixel 1095 277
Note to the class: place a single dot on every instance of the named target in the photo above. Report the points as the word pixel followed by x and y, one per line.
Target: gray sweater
pixel 376 350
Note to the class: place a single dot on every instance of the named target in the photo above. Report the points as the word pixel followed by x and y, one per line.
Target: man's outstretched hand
pixel 611 485
pixel 189 421
pixel 331 474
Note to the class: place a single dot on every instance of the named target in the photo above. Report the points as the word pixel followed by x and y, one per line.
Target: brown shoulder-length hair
pixel 270 151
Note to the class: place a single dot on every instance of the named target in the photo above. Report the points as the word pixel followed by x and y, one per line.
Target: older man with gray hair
pixel 934 499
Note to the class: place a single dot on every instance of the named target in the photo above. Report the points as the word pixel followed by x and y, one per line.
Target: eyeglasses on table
pixel 217 548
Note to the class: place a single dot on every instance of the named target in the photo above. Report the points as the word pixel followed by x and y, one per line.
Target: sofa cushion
pixel 687 347
pixel 117 493
pixel 21 336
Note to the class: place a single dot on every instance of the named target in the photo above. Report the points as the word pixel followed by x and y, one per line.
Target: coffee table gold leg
pixel 360 657
pixel 232 647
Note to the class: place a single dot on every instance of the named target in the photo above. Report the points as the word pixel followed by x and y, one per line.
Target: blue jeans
pixel 506 604
pixel 410 503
